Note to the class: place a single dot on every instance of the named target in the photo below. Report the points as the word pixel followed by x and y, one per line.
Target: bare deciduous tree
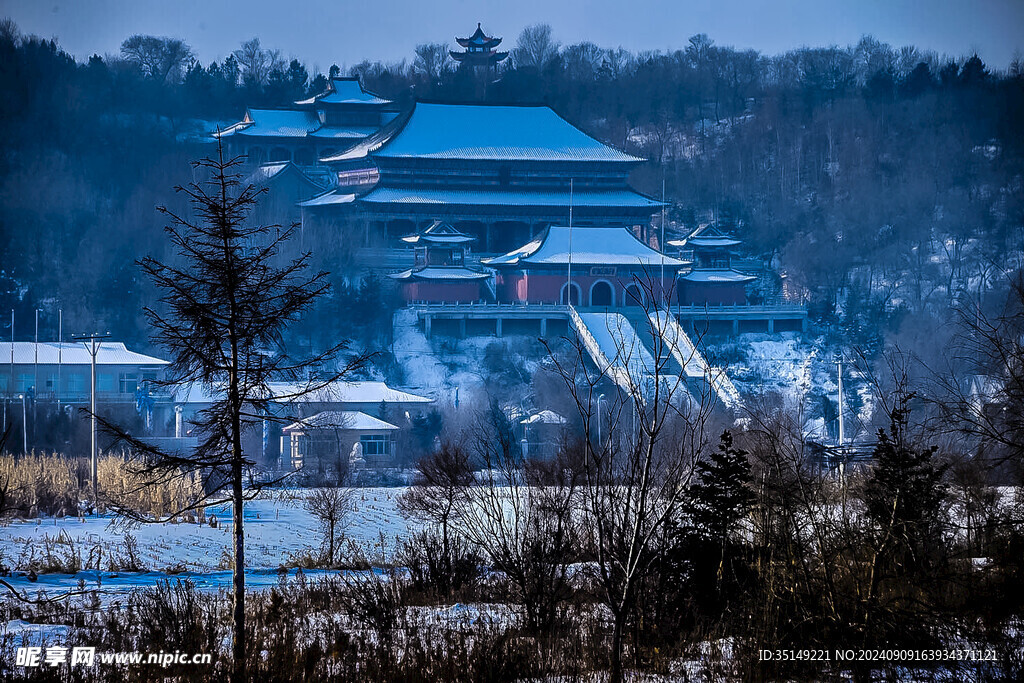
pixel 162 59
pixel 257 63
pixel 535 47
pixel 633 484
pixel 331 507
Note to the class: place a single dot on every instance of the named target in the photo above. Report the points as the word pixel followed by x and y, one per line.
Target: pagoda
pixel 481 57
pixel 440 273
pixel 712 281
pixel 479 50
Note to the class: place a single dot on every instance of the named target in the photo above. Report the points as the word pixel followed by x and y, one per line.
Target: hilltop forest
pixel 884 182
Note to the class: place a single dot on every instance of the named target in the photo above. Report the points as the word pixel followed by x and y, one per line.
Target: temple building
pixel 589 266
pixel 712 281
pixel 500 173
pixel 479 54
pixel 440 273
pixel 317 127
pixel 479 50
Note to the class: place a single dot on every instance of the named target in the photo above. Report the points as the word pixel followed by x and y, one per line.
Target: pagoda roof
pixel 347 132
pixel 509 197
pixel 439 232
pixel 713 242
pixel 267 173
pixel 329 198
pixel 288 123
pixel 479 40
pixel 483 132
pixel 441 273
pixel 347 90
pixel 590 246
pixel 716 276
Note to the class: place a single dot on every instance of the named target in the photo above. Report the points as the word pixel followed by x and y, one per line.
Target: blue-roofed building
pixel 501 173
pixel 320 126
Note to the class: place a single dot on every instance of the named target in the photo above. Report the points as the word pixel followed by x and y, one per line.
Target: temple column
pixel 462 327
pixel 544 327
pixel 487 237
pixel 426 325
pixel 497 327
pixel 736 326
pixel 771 325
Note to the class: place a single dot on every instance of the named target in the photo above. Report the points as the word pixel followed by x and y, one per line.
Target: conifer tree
pixel 721 495
pixel 227 300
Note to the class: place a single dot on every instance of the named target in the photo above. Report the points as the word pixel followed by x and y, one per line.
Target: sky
pixel 344 32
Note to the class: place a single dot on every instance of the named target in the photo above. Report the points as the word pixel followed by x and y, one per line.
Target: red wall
pixel 442 292
pixel 534 287
pixel 701 293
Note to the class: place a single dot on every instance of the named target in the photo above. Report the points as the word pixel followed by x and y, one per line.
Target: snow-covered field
pixel 277 527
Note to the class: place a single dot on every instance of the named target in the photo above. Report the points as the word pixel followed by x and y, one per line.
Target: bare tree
pixel 439 490
pixel 162 59
pixel 433 61
pixel 257 63
pixel 529 533
pixel 331 507
pixel 633 483
pixel 535 47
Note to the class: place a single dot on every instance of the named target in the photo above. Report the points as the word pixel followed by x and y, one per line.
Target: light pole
pixel 24 426
pixel 600 398
pixel 92 348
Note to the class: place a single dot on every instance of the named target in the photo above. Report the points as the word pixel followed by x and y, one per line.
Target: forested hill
pixel 884 181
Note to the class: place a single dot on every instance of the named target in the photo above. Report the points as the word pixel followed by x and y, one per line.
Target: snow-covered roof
pixel 74 353
pixel 479 39
pixel 289 123
pixel 508 197
pixel 439 232
pixel 713 241
pixel 345 91
pixel 484 132
pixel 440 273
pixel 343 132
pixel 546 417
pixel 266 172
pixel 590 246
pixel 351 420
pixel 287 392
pixel 329 198
pixel 717 276
pixel 345 392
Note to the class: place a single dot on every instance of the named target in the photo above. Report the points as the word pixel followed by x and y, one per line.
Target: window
pixel 75 383
pixel 104 381
pixel 25 380
pixel 374 444
pixel 127 383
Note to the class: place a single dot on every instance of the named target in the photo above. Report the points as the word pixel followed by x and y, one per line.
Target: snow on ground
pixel 413 352
pixel 444 367
pixel 276 528
pixel 785 363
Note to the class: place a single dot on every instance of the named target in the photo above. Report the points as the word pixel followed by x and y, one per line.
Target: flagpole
pixel 568 281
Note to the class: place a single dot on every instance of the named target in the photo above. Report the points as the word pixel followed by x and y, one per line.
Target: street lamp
pixel 24 426
pixel 93 349
pixel 600 398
